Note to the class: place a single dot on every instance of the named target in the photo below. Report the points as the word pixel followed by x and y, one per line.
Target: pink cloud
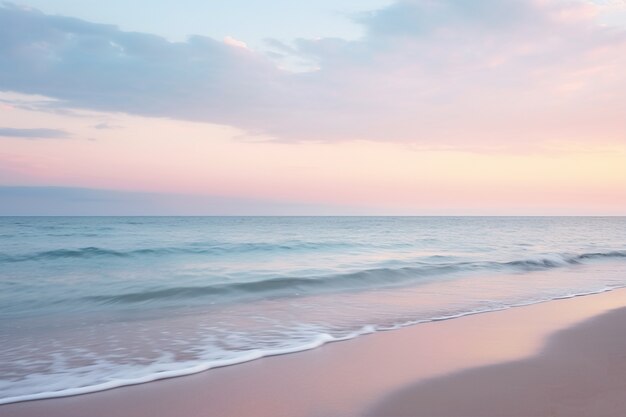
pixel 485 74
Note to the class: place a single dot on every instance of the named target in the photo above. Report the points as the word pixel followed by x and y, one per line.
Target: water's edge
pixel 251 355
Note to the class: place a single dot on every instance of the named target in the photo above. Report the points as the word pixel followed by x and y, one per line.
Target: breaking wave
pixel 361 280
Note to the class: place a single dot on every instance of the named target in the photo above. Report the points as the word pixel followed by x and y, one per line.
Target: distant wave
pixel 62 254
pixel 93 252
pixel 360 280
pixel 219 248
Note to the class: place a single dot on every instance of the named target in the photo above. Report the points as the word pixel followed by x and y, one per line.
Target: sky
pixel 368 107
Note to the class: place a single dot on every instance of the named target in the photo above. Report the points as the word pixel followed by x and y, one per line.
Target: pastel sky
pixel 408 107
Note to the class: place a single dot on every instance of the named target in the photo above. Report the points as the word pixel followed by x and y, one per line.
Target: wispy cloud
pixel 41 133
pixel 105 126
pixel 44 201
pixel 443 73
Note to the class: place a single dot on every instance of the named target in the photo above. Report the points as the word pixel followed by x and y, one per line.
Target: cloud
pixel 33 133
pixel 105 126
pixel 441 73
pixel 100 67
pixel 229 40
pixel 482 73
pixel 424 17
pixel 76 201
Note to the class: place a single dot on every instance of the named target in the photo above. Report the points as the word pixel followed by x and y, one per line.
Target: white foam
pixel 319 340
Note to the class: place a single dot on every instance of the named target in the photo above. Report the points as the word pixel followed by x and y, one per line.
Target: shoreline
pixel 345 378
pixel 579 372
pixel 321 341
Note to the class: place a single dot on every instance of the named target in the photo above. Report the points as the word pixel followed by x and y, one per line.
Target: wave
pixel 178 370
pixel 219 248
pixel 223 248
pixel 62 254
pixel 360 280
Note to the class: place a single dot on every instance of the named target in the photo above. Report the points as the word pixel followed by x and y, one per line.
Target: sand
pixel 560 358
pixel 580 372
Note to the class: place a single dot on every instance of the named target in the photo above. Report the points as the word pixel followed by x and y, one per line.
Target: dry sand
pixel 560 358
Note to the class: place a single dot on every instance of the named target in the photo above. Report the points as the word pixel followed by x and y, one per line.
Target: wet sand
pixel 561 358
pixel 580 372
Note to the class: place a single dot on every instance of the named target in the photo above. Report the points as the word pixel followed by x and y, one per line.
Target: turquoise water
pixel 89 303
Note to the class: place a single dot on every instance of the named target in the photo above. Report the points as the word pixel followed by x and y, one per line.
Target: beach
pixel 313 209
pixel 558 358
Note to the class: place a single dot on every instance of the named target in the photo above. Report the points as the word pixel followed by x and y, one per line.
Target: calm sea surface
pixel 89 303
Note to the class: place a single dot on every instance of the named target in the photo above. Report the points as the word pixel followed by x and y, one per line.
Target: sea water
pixel 90 303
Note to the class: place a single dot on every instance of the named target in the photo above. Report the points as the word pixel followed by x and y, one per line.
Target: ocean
pixel 91 303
